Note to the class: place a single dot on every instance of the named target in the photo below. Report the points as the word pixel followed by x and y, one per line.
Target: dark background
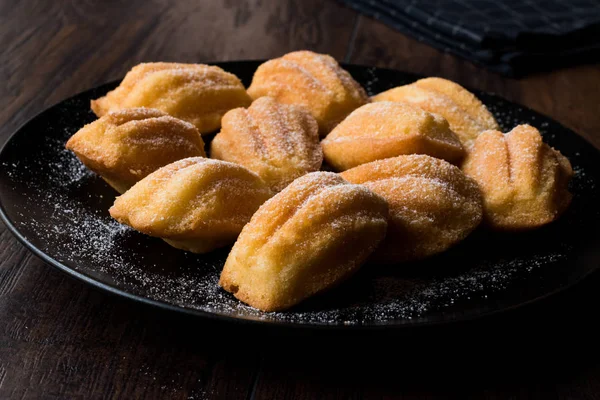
pixel 62 339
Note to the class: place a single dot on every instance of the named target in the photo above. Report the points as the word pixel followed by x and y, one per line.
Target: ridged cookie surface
pixel 125 146
pixel 523 180
pixel 388 129
pixel 194 204
pixel 197 93
pixel 278 142
pixel 315 81
pixel 467 115
pixel 309 237
pixel 433 205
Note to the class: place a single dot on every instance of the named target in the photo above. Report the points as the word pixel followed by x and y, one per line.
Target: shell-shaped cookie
pixel 523 180
pixel 278 142
pixel 433 205
pixel 388 129
pixel 125 146
pixel 194 204
pixel 315 81
pixel 467 115
pixel 306 239
pixel 197 93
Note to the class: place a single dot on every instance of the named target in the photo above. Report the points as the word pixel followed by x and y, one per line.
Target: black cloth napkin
pixel 512 37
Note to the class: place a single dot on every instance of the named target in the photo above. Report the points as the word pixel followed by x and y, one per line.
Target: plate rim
pixel 226 318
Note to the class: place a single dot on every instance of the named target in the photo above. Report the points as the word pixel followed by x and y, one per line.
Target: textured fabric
pixel 513 37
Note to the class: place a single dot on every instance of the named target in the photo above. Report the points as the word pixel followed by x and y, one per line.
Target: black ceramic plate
pixel 58 209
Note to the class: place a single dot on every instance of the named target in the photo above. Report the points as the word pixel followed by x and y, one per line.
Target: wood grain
pixel 69 46
pixel 61 339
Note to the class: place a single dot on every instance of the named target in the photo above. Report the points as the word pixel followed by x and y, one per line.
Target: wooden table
pixel 59 338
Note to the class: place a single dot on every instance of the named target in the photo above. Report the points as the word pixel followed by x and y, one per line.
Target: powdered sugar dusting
pixel 278 142
pixel 61 208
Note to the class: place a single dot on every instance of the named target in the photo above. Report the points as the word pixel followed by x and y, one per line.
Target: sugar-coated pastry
pixel 306 239
pixel 315 81
pixel 466 113
pixel 388 129
pixel 278 142
pixel 126 145
pixel 196 93
pixel 194 204
pixel 433 205
pixel 523 180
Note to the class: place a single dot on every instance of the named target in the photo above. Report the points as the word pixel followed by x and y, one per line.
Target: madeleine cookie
pixel 465 113
pixel 433 205
pixel 388 129
pixel 125 146
pixel 197 93
pixel 315 81
pixel 194 204
pixel 523 180
pixel 309 237
pixel 278 142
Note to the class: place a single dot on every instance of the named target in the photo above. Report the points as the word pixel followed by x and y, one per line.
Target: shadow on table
pixel 554 339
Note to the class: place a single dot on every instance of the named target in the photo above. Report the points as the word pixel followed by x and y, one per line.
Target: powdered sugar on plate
pixel 62 209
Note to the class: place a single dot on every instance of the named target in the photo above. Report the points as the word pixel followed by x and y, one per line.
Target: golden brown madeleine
pixel 306 239
pixel 125 146
pixel 194 204
pixel 433 205
pixel 196 93
pixel 466 113
pixel 523 180
pixel 315 81
pixel 388 129
pixel 278 142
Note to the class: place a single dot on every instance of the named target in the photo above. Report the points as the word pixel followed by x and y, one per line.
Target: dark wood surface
pixel 62 339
